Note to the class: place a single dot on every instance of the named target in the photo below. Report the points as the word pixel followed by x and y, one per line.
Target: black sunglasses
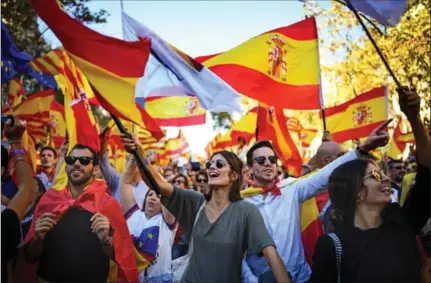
pixel 261 159
pixel 84 160
pixel 219 163
pixel 202 180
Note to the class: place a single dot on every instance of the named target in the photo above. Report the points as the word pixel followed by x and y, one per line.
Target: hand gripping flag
pixel 112 66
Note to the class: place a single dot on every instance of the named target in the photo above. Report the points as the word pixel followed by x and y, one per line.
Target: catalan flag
pixel 113 73
pixel 271 125
pixel 171 72
pixel 175 111
pixel 359 116
pixel 54 63
pixel 57 124
pixel 35 107
pixel 279 67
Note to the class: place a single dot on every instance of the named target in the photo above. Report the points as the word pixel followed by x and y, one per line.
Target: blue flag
pixel 386 12
pixel 15 62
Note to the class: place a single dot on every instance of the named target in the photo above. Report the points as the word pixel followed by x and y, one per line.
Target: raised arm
pixel 127 197
pixel 410 105
pixel 63 152
pixel 111 175
pixel 26 184
pixel 168 216
pixel 166 189
pixel 317 182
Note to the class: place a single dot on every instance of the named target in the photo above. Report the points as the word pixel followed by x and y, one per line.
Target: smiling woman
pixel 222 228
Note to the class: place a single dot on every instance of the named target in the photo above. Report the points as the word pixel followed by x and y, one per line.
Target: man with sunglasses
pixel 74 229
pixel 397 171
pixel 280 202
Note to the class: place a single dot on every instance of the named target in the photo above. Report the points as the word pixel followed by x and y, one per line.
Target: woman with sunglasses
pixel 181 181
pixel 376 238
pixel 376 235
pixel 225 226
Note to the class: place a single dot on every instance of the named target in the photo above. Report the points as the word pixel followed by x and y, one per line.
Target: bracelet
pixel 361 151
pixel 18 151
pixel 14 142
pixel 108 242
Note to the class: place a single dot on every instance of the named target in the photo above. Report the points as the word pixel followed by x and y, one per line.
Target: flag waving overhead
pixel 359 116
pixel 386 12
pixel 112 66
pixel 170 72
pixel 279 67
pixel 272 125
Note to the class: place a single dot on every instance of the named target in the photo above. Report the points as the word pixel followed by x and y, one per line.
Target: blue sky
pixel 200 28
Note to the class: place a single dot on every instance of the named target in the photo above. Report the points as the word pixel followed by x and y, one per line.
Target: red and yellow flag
pixel 399 140
pixel 245 127
pixel 358 117
pixel 15 93
pixel 279 67
pixel 271 125
pixel 57 124
pixel 175 111
pixel 113 73
pixel 176 146
pixel 306 136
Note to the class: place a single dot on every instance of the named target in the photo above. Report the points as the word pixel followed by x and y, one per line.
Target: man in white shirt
pixel 281 208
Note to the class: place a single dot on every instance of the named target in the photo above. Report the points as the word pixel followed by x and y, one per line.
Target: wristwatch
pixel 361 151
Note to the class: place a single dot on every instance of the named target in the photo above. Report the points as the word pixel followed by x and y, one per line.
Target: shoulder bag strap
pixel 338 253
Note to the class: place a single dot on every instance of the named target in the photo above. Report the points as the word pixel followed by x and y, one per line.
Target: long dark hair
pixel 235 165
pixel 344 185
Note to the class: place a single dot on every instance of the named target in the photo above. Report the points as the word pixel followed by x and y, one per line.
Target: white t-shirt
pixel 153 237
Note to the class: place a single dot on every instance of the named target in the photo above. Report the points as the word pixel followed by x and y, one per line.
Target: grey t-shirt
pixel 218 248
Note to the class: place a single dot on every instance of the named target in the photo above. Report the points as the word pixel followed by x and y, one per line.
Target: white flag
pixel 169 72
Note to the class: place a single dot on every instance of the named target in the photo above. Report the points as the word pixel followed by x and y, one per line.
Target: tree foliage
pixel 23 24
pixel 359 68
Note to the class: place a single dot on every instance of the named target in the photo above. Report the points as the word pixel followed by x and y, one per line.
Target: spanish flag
pixel 57 124
pixel 113 73
pixel 245 127
pixel 358 117
pixel 306 136
pixel 271 125
pixel 399 140
pixel 94 199
pixel 175 111
pixel 176 146
pixel 279 67
pixel 15 92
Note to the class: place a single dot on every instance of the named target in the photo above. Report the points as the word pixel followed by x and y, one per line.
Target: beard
pixel 82 180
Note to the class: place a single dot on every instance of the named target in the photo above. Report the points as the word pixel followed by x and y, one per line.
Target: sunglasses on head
pixel 378 175
pixel 261 159
pixel 84 160
pixel 201 181
pixel 218 163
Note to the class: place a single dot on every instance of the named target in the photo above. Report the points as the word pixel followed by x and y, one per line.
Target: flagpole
pixel 143 169
pixel 353 9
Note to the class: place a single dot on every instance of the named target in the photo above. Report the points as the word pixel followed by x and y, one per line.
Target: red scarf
pixel 94 199
pixel 254 189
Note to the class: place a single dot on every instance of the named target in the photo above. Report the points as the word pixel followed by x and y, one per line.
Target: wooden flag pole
pixel 143 169
pixel 385 62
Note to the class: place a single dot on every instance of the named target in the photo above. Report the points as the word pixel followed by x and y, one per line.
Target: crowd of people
pixel 232 219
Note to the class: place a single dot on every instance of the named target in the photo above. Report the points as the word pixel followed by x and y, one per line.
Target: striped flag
pixel 359 116
pixel 112 66
pixel 271 125
pixel 279 67
pixel 399 140
pixel 57 124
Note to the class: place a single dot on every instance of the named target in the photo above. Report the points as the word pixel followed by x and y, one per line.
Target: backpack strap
pixel 338 253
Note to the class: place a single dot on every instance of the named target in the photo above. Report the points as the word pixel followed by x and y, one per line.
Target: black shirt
pixel 10 239
pixel 72 252
pixel 387 253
